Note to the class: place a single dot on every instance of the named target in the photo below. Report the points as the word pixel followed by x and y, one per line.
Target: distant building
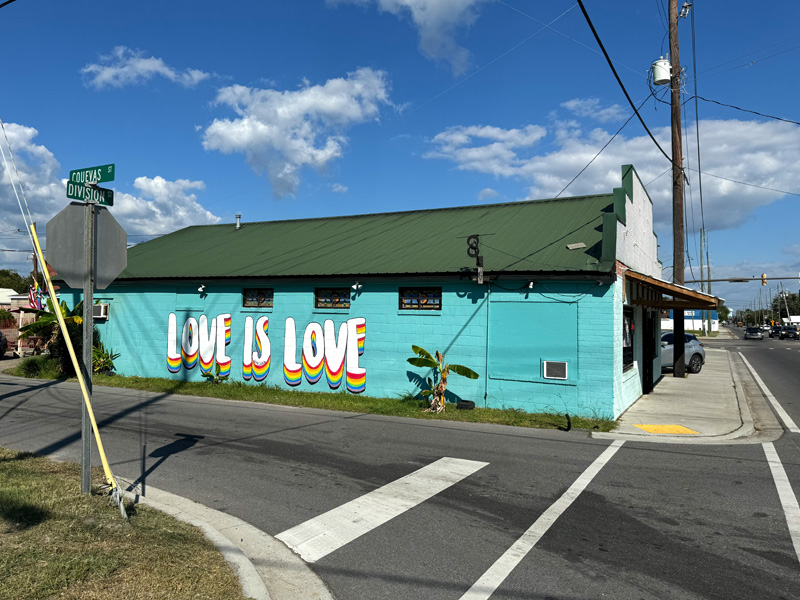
pixel 693 320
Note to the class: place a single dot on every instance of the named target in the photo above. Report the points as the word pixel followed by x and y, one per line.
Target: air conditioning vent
pixel 555 369
pixel 100 311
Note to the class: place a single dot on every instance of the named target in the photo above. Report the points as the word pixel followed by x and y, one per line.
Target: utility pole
pixel 679 364
pixel 702 286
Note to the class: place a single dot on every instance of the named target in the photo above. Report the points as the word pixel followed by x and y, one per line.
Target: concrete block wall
pixel 139 315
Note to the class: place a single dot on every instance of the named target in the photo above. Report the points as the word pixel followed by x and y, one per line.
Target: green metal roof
pixel 518 237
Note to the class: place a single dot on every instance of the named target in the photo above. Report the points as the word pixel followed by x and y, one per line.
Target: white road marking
pixel 321 535
pixel 501 569
pixel 787 420
pixel 788 500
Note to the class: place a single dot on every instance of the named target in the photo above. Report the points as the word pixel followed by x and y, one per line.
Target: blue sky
pixel 305 108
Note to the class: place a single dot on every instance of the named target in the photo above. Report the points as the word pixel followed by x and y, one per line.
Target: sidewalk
pixel 720 405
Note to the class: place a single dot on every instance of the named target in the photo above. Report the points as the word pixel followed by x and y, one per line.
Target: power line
pixel 619 81
pixel 600 151
pixel 696 97
pixel 748 184
pixel 572 39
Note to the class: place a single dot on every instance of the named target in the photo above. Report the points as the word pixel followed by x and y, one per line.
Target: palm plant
pixel 441 370
pixel 47 329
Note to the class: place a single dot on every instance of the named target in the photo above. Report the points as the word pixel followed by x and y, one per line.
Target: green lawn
pixel 58 543
pixel 407 406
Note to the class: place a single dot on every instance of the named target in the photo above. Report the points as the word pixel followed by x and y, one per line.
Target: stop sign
pixel 66 246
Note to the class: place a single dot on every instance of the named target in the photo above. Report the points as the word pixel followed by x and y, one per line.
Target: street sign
pixel 66 246
pixel 96 195
pixel 93 174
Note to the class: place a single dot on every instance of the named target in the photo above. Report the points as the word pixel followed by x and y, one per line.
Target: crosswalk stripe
pixel 501 569
pixel 321 535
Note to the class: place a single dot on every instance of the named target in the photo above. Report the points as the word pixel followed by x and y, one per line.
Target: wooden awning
pixel 650 292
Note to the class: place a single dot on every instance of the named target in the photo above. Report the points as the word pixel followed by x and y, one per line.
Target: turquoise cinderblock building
pixel 553 302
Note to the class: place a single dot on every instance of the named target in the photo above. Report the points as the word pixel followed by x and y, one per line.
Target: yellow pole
pixel 109 477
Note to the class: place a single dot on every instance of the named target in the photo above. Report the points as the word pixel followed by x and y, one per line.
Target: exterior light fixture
pixel 201 288
pixel 356 286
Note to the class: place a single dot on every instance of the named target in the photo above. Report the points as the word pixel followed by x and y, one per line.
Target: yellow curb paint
pixel 673 429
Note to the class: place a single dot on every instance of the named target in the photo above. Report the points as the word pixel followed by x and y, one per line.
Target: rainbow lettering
pixel 334 376
pixel 356 383
pixel 292 377
pixel 361 333
pixel 260 372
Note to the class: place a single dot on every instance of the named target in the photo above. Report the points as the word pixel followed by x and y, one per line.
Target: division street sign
pixel 93 174
pixel 96 195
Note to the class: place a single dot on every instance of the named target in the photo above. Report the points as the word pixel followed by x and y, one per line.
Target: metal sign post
pixel 88 330
pixel 88 261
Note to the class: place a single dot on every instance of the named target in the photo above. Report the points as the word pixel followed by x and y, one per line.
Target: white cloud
pixel 164 206
pixel 437 22
pixel 748 151
pixel 125 66
pixel 339 188
pixel 486 149
pixel 45 195
pixel 487 193
pixel 590 107
pixel 281 131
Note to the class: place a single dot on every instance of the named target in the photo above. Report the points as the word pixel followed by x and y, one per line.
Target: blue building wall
pixel 504 331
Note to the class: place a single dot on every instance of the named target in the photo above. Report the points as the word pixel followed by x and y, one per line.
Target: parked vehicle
pixel 775 331
pixel 789 332
pixel 753 333
pixel 3 345
pixel 694 352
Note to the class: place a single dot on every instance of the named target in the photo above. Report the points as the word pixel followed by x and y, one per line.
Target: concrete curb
pixel 266 568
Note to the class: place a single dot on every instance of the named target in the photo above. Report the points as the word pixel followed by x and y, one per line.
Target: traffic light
pixel 763 279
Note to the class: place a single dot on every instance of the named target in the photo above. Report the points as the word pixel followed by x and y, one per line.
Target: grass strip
pixel 57 542
pixel 406 406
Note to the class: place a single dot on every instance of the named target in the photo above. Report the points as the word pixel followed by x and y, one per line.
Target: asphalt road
pixel 653 521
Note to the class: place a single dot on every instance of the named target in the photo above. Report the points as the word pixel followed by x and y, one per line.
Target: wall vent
pixel 554 369
pixel 100 311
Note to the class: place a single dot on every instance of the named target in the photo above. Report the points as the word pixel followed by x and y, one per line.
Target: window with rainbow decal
pixel 337 298
pixel 325 351
pixel 420 298
pixel 258 298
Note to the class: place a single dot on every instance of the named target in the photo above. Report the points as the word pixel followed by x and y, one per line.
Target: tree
pixel 723 312
pixel 784 299
pixel 12 280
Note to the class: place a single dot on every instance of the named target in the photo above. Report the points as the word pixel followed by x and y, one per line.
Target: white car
pixel 694 353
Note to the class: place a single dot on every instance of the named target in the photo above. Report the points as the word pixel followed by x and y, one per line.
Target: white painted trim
pixel 784 416
pixel 788 500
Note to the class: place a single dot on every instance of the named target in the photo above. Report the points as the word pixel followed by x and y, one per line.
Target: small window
pixel 420 298
pixel 257 298
pixel 338 298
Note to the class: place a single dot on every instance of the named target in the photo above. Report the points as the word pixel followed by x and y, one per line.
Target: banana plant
pixel 441 370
